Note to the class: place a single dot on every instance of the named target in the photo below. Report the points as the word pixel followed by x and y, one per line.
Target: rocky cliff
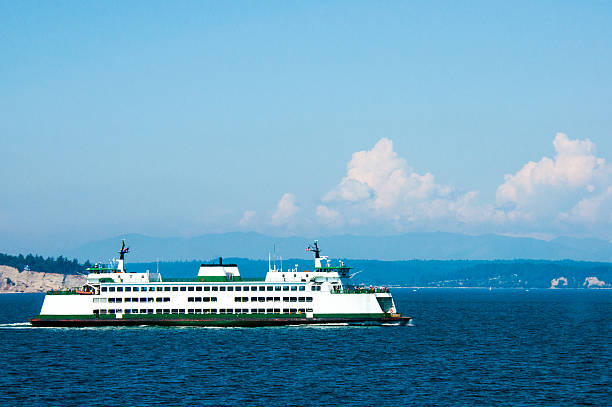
pixel 28 281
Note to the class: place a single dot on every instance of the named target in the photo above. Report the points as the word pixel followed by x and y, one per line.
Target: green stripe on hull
pixel 350 316
pixel 213 279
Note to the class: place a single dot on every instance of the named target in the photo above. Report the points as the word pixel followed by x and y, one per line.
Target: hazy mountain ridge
pixel 432 273
pixel 427 246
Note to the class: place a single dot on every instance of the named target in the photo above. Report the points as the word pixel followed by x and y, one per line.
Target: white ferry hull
pixel 218 296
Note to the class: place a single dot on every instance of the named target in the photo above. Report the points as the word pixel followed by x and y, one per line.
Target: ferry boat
pixel 219 296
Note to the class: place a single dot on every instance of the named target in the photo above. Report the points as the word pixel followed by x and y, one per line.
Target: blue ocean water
pixel 465 347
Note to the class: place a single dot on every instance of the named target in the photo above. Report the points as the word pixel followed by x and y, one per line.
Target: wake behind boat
pixel 219 296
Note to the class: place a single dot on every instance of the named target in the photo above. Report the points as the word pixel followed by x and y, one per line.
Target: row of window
pixel 273 299
pixel 149 299
pixel 211 288
pixel 201 299
pixel 203 311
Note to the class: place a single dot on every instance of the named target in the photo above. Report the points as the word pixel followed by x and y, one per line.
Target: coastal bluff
pixel 29 281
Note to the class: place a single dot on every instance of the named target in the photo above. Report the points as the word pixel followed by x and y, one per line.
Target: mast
pixel 122 253
pixel 316 251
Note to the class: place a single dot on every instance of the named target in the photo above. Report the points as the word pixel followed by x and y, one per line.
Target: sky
pixel 303 118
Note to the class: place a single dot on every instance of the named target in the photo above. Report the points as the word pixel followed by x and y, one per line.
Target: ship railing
pixel 180 280
pixel 62 292
pixel 361 290
pixel 155 278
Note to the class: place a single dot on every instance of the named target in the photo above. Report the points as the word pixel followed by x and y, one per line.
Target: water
pixel 466 347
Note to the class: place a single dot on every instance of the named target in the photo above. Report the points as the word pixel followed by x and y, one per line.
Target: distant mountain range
pixel 428 246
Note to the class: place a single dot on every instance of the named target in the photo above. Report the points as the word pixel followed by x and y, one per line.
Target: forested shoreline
pixel 58 265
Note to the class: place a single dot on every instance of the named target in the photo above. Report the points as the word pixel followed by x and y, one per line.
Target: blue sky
pixel 183 118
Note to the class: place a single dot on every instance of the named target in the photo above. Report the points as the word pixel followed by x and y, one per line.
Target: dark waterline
pixel 467 347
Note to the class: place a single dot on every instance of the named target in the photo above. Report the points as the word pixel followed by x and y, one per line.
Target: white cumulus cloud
pixel 568 194
pixel 286 208
pixel 574 166
pixel 328 216
pixel 247 217
pixel 380 189
pixel 592 210
pixel 384 179
pixel 571 192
